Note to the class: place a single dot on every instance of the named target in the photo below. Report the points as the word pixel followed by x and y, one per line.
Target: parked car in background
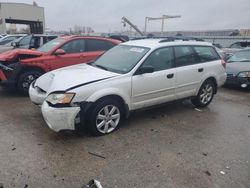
pixel 222 53
pixel 33 41
pixel 9 38
pixel 130 76
pixel 238 69
pixel 240 45
pixel 8 46
pixel 20 67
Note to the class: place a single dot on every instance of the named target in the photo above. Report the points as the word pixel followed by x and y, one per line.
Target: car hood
pixel 13 54
pixel 70 77
pixel 236 67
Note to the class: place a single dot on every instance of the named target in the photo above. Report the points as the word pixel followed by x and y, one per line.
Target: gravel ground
pixel 171 146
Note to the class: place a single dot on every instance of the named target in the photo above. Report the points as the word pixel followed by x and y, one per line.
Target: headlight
pixel 243 74
pixel 60 98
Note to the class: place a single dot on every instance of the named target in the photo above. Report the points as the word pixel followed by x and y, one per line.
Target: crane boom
pixel 125 20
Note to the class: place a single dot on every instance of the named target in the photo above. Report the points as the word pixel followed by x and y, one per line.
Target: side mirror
pixel 14 44
pixel 145 69
pixel 60 52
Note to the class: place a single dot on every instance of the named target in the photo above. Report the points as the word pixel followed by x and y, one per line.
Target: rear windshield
pixel 241 56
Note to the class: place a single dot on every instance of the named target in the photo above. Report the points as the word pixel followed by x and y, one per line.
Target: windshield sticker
pixel 139 50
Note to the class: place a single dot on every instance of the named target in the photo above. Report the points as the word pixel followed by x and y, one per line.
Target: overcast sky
pixel 105 15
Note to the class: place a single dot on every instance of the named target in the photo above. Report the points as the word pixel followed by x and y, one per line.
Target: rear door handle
pixel 200 70
pixel 169 76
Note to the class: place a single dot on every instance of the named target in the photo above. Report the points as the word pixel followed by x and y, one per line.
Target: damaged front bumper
pixel 37 95
pixel 60 118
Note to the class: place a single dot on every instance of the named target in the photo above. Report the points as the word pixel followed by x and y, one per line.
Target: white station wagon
pixel 130 76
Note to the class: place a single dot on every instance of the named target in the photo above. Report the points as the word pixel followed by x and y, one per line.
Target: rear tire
pixel 105 117
pixel 25 79
pixel 205 94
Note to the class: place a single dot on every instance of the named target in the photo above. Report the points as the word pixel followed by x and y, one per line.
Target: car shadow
pixel 10 92
pixel 152 113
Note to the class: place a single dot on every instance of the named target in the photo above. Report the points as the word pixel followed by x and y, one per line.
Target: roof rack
pixel 170 39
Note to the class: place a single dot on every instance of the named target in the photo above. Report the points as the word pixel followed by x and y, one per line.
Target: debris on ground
pixel 208 173
pixel 222 172
pixel 197 109
pixel 93 184
pixel 13 149
pixel 97 155
pixel 227 167
pixel 205 154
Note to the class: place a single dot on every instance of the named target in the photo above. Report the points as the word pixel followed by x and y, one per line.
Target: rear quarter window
pixel 206 53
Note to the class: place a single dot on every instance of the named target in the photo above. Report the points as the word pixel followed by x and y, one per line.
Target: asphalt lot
pixel 171 146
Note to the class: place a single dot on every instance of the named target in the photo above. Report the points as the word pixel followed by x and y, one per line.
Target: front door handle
pixel 169 76
pixel 200 70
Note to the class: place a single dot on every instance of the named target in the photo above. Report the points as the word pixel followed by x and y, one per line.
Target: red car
pixel 20 67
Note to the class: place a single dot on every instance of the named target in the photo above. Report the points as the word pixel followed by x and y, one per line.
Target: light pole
pixel 163 18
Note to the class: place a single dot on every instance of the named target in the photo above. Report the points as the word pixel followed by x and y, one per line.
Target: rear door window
pixel 185 55
pixel 98 45
pixel 206 53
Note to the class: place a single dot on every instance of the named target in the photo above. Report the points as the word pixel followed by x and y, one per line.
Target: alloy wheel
pixel 206 94
pixel 108 119
pixel 27 81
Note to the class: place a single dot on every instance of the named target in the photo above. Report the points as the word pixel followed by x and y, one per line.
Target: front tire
pixel 25 79
pixel 105 117
pixel 205 94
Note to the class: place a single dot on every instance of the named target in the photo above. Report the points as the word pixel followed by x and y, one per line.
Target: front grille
pixel 230 76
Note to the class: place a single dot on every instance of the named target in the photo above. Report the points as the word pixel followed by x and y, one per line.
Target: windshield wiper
pixel 100 66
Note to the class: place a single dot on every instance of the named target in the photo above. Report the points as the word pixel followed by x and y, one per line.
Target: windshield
pixel 50 45
pixel 121 59
pixel 242 56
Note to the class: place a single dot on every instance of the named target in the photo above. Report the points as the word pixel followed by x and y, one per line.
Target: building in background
pixel 21 13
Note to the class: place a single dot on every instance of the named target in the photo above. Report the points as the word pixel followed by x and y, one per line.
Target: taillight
pixel 223 63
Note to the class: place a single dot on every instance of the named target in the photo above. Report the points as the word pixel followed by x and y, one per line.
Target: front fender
pixel 110 91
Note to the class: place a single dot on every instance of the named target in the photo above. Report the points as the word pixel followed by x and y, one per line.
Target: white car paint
pixel 137 91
